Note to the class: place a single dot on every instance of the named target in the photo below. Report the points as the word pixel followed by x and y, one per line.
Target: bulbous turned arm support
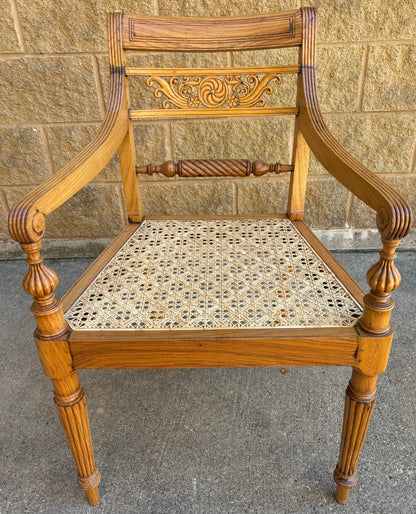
pixel 383 277
pixel 40 282
pixel 27 226
pixel 27 217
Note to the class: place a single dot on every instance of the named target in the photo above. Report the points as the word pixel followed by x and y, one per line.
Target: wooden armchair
pixel 214 291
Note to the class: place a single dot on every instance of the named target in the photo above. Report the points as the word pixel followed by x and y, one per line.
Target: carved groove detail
pixel 383 277
pixel 358 410
pixel 212 92
pixel 394 214
pixel 72 411
pixel 214 168
pixel 39 281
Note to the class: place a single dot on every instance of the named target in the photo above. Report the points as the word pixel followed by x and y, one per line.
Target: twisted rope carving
pixel 214 168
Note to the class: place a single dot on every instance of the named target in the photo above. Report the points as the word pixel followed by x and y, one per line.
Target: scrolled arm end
pixel 394 222
pixel 26 223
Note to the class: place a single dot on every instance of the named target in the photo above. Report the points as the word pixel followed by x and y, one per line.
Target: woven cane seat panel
pixel 181 274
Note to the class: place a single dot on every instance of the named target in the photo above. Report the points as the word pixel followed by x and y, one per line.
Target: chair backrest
pixel 208 92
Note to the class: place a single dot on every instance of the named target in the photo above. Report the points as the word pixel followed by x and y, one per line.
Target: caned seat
pixel 215 273
pixel 213 291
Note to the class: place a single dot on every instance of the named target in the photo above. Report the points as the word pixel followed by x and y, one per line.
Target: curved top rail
pixel 157 33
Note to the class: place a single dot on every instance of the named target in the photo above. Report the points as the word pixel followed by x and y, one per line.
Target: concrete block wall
pixel 54 88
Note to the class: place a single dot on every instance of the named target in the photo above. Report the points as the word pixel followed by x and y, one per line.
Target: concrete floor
pixel 205 441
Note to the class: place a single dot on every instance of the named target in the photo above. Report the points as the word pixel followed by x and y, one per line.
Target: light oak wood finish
pixel 212 113
pixel 364 347
pixel 217 94
pixel 297 186
pixel 300 153
pixel 394 219
pixel 214 348
pixel 72 410
pixel 27 225
pixel 200 72
pixel 394 216
pixel 359 403
pixel 272 30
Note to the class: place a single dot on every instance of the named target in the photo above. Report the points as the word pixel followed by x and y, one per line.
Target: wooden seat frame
pixel 365 346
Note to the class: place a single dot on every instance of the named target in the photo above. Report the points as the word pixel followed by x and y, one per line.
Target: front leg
pixel 51 338
pixel 375 340
pixel 359 403
pixel 72 409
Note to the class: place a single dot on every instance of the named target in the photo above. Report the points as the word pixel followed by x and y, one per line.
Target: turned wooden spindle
pixel 214 168
pixel 383 278
pixel 41 282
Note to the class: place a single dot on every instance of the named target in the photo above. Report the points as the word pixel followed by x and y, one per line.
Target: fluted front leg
pixel 72 409
pixel 359 404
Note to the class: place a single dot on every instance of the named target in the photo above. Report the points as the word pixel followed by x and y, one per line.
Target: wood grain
pixel 127 154
pixel 26 219
pixel 212 112
pixel 365 347
pixel 212 34
pixel 297 186
pixel 359 404
pixel 213 348
pixel 238 70
pixel 72 410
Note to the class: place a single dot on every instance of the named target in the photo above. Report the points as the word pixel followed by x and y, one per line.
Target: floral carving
pixel 192 92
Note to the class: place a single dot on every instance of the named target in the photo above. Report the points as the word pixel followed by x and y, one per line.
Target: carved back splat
pixel 214 92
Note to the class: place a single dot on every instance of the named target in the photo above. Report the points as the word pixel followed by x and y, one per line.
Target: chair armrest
pixel 27 217
pixel 394 216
